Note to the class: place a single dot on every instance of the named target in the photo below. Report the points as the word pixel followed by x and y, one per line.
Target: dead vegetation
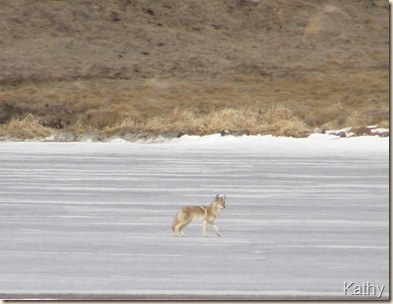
pixel 276 120
pixel 269 67
pixel 27 127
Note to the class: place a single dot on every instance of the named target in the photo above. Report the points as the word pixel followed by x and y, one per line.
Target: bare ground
pixel 279 67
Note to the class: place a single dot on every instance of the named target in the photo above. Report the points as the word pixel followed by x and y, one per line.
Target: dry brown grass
pixel 27 127
pixel 282 107
pixel 275 120
pixel 281 67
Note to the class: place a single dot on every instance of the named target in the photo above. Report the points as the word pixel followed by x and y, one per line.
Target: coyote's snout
pixel 206 214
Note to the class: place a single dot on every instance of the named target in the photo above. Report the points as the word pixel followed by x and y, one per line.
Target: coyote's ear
pixel 224 196
pixel 217 196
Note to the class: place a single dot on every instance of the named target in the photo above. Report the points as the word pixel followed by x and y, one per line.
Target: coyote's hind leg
pixel 183 226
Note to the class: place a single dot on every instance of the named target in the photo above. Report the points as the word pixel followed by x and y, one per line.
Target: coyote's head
pixel 219 201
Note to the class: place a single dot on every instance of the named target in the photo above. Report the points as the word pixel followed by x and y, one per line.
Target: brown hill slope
pixel 269 66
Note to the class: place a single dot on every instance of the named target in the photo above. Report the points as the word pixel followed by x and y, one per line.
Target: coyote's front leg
pixel 204 228
pixel 215 228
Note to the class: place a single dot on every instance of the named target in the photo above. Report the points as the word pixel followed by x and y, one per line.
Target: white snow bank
pixel 322 144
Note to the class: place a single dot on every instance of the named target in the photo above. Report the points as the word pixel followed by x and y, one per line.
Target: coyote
pixel 206 214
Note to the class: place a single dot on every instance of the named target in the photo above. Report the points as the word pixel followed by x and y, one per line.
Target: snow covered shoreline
pixel 320 144
pixel 146 137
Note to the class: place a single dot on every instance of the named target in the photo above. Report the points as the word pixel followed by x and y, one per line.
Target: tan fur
pixel 206 214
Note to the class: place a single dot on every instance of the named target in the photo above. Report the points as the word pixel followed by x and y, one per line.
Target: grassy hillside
pixel 280 67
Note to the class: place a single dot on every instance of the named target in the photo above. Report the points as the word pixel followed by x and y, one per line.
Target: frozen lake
pixel 93 220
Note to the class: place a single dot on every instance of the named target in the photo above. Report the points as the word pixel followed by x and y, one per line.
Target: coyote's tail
pixel 175 220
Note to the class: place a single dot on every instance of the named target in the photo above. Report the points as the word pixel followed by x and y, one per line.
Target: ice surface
pixel 302 217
